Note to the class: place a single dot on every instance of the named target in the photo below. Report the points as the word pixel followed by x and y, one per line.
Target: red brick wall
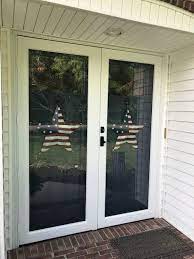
pixel 185 4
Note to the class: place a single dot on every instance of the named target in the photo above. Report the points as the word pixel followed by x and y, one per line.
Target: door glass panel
pixel 128 136
pixel 58 86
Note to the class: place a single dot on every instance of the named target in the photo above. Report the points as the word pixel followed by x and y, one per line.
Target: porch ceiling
pixel 71 23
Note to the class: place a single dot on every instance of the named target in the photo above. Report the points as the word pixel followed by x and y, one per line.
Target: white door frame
pixel 94 70
pixel 96 159
pixel 155 136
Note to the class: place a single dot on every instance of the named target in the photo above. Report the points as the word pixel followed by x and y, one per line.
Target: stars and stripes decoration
pixel 58 133
pixel 126 132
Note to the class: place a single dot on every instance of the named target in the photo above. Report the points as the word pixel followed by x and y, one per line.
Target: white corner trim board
pixel 146 11
pixel 2 236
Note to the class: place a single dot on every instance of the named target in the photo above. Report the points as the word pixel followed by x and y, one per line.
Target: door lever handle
pixel 102 141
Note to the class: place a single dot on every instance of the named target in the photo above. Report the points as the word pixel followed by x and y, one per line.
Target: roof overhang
pixel 153 12
pixel 67 23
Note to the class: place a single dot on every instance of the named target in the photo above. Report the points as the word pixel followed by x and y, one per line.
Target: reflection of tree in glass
pixel 57 70
pixel 121 78
pixel 55 77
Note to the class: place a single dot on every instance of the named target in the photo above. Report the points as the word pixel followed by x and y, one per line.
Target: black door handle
pixel 102 141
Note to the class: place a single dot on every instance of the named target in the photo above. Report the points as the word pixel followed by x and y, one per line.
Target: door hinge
pixel 165 133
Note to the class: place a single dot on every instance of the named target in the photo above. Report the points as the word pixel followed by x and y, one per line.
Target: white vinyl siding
pixel 178 189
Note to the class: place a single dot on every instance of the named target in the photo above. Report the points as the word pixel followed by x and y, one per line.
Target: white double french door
pixel 87 125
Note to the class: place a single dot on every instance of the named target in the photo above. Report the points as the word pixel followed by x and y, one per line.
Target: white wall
pixel 178 181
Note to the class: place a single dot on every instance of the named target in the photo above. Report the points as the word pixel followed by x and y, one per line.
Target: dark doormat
pixel 161 243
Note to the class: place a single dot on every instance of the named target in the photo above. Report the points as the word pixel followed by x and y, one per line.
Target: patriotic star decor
pixel 58 133
pixel 126 132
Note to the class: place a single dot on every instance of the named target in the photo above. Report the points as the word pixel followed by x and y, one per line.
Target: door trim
pixel 155 136
pixel 94 70
pixel 24 43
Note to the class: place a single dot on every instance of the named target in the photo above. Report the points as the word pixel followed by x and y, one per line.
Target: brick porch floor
pixel 93 244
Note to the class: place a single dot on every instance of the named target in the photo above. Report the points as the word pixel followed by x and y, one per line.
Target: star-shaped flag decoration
pixel 58 133
pixel 126 132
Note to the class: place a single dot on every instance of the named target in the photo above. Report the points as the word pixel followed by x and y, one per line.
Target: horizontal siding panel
pixel 178 66
pixel 185 178
pixel 180 156
pixel 181 126
pixel 178 222
pixel 182 76
pixel 182 54
pixel 181 206
pixel 181 116
pixel 181 86
pixel 181 136
pixel 174 183
pixel 181 172
pixel 178 182
pixel 181 96
pixel 188 221
pixel 181 107
pixel 183 197
pixel 181 146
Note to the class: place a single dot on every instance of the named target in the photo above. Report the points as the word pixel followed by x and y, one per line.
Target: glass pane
pixel 58 86
pixel 128 139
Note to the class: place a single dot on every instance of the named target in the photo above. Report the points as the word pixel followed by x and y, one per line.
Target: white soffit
pixel 153 12
pixel 80 25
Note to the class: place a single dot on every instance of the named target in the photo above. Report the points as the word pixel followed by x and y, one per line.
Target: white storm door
pixel 58 138
pixel 130 92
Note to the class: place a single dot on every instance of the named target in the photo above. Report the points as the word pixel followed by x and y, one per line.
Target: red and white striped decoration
pixel 60 135
pixel 127 132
